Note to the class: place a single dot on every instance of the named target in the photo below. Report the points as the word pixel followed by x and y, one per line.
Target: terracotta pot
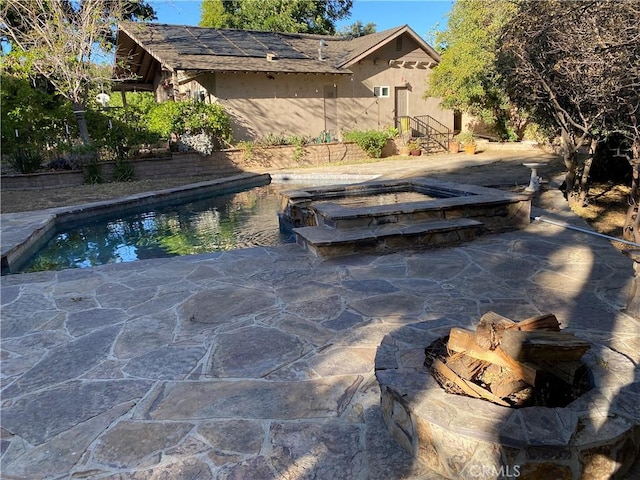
pixel 454 147
pixel 416 153
pixel 404 151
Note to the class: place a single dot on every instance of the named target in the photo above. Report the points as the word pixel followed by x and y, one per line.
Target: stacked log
pixel 516 364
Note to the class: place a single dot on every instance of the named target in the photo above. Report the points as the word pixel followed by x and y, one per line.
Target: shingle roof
pixel 181 47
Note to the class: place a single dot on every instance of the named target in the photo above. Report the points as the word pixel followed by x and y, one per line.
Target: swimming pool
pixel 215 222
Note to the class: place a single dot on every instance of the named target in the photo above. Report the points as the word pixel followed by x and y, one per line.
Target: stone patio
pixel 259 363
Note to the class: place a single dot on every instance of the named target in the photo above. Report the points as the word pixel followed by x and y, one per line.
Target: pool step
pixel 324 241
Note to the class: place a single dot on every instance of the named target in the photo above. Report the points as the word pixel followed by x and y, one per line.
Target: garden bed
pixel 219 163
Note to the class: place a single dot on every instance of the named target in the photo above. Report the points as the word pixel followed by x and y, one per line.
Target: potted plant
pixel 454 145
pixel 404 149
pixel 467 141
pixel 414 148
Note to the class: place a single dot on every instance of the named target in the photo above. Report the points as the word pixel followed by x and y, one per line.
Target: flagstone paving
pixel 258 363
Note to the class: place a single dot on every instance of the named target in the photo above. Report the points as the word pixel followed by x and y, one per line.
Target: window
pixel 380 91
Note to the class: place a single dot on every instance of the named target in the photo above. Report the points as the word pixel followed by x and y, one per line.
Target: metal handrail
pixel 430 120
pixel 421 127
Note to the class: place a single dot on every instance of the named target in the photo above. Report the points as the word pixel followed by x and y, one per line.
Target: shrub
pixel 192 122
pixel 371 141
pixel 272 140
pixel 26 159
pixel 200 142
pixel 93 173
pixel 247 150
pixel 30 115
pixel 161 118
pixel 299 142
pixel 123 171
pixel 465 138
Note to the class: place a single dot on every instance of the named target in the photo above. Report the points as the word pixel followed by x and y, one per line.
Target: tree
pixel 466 78
pixel 30 114
pixel 296 16
pixel 213 14
pixel 573 65
pixel 357 29
pixel 63 41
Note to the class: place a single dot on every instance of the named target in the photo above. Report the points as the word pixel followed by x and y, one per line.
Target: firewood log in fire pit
pixel 512 363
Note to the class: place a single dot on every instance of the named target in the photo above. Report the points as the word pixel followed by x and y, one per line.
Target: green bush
pixel 272 140
pixel 37 115
pixel 93 173
pixel 123 171
pixel 161 118
pixel 371 141
pixel 26 159
pixel 189 117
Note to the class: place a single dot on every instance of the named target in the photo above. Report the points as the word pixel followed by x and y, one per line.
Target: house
pixel 296 84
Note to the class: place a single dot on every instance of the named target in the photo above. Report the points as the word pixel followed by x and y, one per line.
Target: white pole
pixel 584 230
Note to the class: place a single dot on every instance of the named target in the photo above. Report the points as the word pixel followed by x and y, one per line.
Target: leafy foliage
pixel 575 66
pixel 123 171
pixel 35 113
pixel 26 159
pixel 371 141
pixel 465 138
pixel 301 16
pixel 45 119
pixel 466 79
pixel 93 173
pixel 63 42
pixel 358 29
pixel 160 119
pixel 189 118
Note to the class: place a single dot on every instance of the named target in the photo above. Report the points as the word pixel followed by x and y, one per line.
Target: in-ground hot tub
pixel 387 215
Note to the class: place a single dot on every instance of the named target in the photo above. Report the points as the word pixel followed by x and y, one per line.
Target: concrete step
pixel 324 241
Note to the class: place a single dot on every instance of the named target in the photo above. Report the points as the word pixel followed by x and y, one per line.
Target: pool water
pixel 385 198
pixel 217 223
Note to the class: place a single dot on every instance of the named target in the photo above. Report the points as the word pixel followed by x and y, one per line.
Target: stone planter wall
pixel 225 162
pixel 39 181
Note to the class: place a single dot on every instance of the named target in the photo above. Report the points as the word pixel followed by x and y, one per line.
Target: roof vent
pixel 271 57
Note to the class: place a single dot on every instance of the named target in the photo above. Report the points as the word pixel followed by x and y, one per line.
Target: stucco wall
pixel 260 103
pixel 295 104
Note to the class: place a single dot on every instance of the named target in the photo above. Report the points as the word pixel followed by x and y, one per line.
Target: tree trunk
pixel 635 171
pixel 569 157
pixel 584 181
pixel 78 110
pixel 636 228
pixel 631 228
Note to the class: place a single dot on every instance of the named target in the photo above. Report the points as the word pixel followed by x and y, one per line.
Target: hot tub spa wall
pixel 498 211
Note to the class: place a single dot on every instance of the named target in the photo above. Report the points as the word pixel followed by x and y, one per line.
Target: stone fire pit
pixel 596 436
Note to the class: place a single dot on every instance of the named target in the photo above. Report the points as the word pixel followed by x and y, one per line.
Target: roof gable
pixel 368 44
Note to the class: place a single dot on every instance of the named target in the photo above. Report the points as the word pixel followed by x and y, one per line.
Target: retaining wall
pixel 224 162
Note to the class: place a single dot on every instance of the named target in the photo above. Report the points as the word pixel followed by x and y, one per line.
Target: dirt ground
pixel 27 200
pixel 607 208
